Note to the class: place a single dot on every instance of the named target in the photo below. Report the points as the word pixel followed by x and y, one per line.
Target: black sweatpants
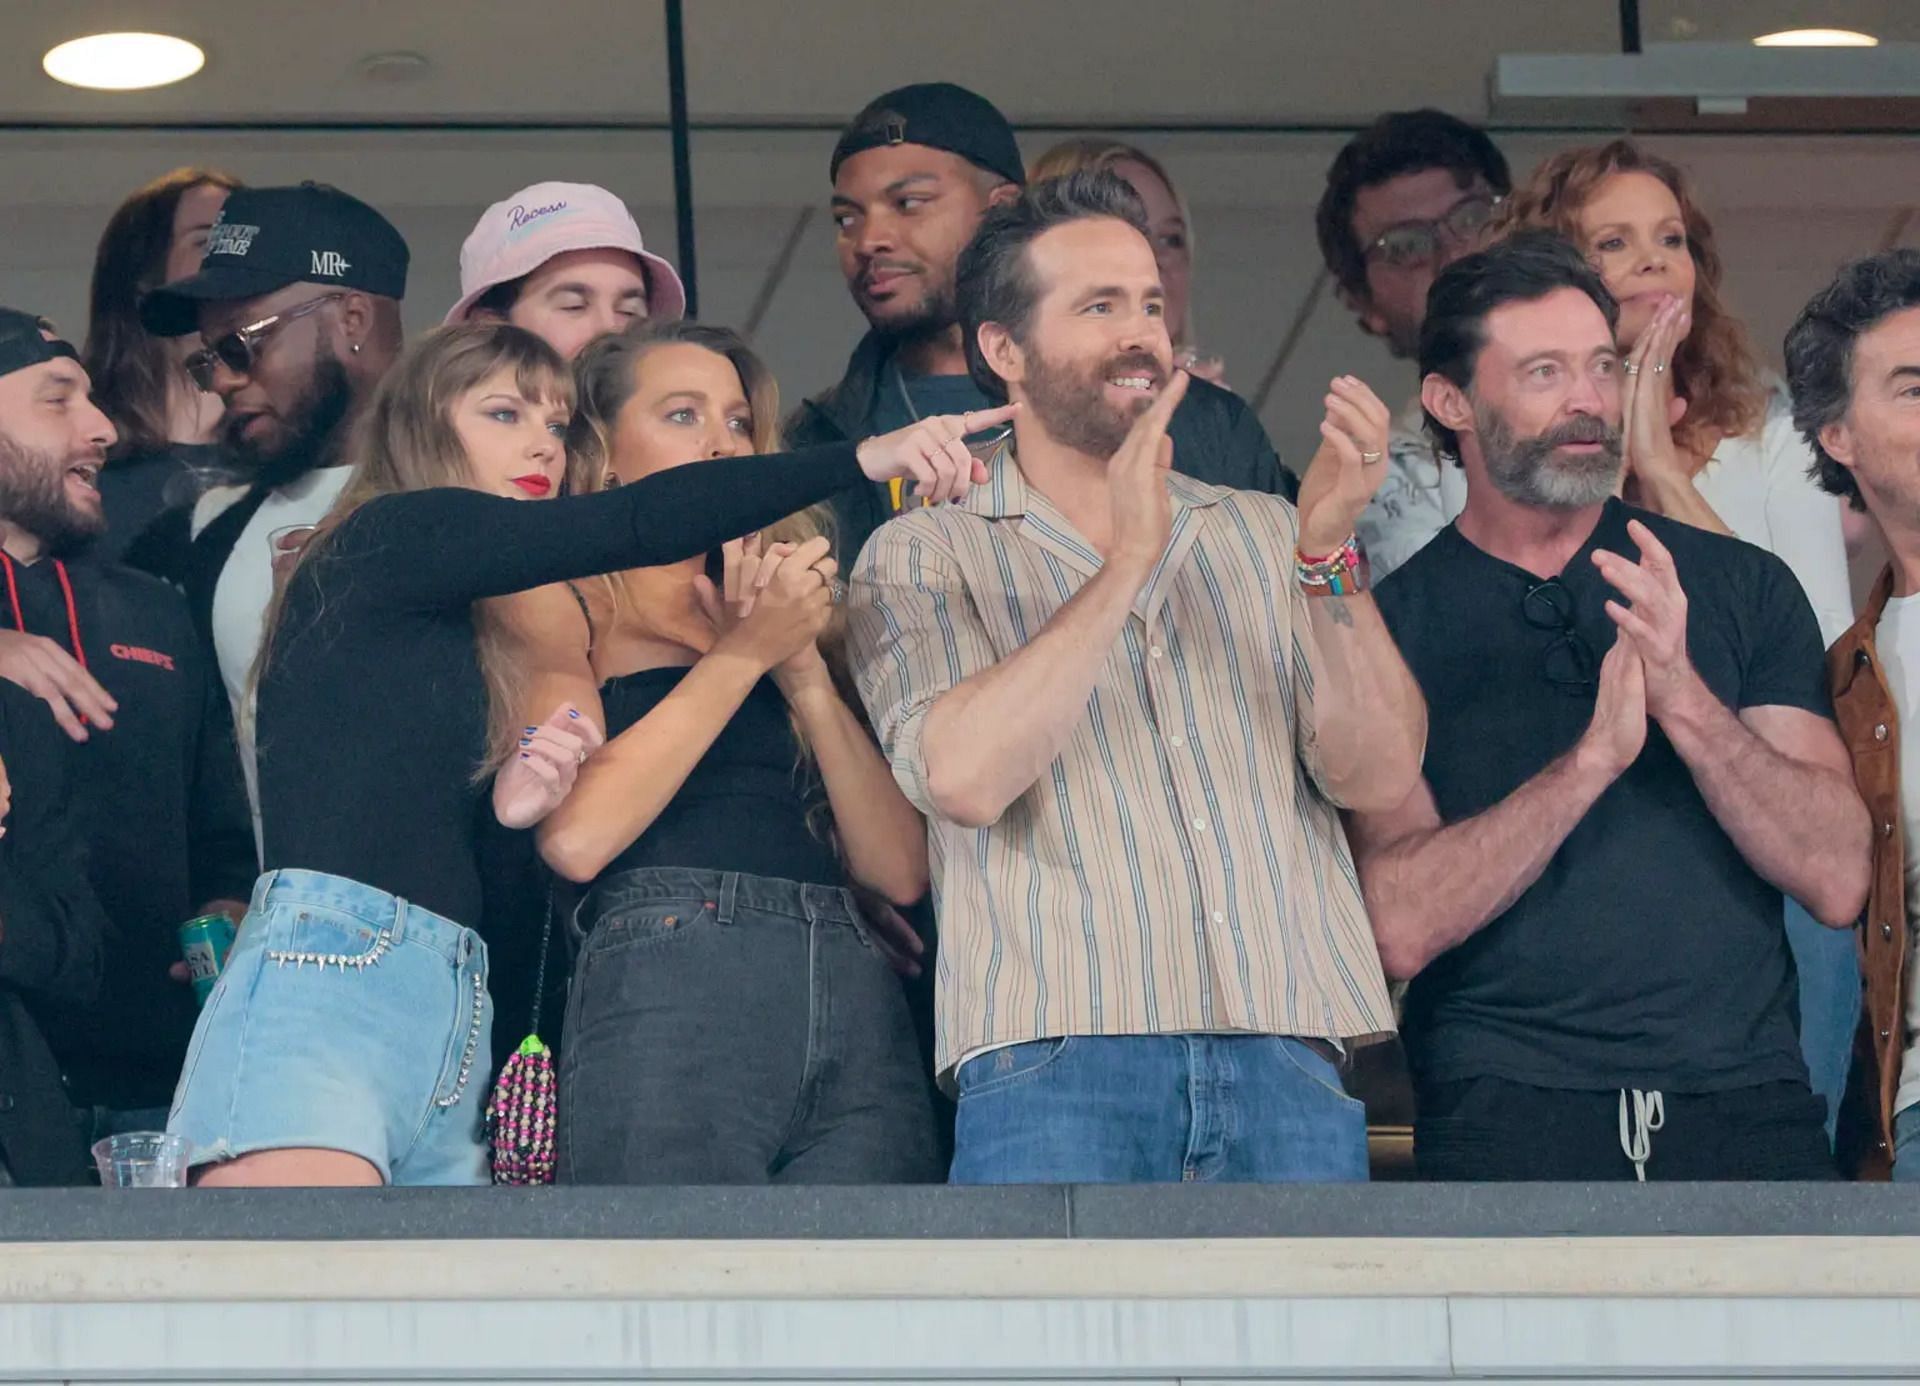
pixel 1491 1129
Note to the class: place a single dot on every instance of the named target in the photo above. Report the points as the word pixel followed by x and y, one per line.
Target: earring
pixel 609 482
pixel 355 348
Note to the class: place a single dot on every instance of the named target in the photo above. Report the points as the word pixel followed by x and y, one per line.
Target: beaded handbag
pixel 523 1113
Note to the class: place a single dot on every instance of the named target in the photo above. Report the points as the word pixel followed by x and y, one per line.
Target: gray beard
pixel 1535 472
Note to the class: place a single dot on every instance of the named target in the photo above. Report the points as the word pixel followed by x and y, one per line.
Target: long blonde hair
pixel 1098 152
pixel 608 374
pixel 406 441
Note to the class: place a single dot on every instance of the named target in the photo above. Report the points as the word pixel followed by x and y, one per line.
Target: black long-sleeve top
pixel 372 708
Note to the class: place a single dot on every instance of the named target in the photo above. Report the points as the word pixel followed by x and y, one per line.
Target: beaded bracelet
pixel 1336 575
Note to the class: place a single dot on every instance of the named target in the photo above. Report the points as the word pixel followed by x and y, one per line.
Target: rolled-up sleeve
pixel 913 632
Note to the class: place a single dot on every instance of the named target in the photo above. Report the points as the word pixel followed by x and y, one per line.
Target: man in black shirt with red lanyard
pixel 155 775
pixel 1631 756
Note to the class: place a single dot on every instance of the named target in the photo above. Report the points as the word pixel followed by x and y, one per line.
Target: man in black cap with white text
pixel 297 304
pixel 153 778
pixel 912 176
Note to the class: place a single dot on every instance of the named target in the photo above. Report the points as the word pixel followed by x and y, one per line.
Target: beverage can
pixel 204 942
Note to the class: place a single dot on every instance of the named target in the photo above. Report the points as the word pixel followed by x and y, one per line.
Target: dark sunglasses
pixel 1569 661
pixel 238 350
pixel 1410 243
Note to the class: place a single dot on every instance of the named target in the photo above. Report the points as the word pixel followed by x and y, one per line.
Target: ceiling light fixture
pixel 123 62
pixel 1817 38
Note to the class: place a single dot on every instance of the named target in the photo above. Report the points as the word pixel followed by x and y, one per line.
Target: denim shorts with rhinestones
pixel 345 1019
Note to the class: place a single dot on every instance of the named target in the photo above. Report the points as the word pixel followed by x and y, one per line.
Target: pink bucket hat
pixel 515 237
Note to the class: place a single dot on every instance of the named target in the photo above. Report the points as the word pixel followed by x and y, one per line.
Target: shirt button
pixel 1176 742
pixel 1199 825
pixel 1886 931
pixel 1219 916
pixel 1880 732
pixel 1155 651
pixel 1886 829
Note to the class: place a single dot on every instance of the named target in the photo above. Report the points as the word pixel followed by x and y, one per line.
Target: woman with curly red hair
pixel 1707 440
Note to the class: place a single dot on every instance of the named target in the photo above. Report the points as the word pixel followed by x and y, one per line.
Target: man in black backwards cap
pixel 154 783
pixel 297 304
pixel 912 176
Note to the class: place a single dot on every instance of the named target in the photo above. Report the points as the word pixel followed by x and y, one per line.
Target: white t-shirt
pixel 1759 487
pixel 246 586
pixel 1898 640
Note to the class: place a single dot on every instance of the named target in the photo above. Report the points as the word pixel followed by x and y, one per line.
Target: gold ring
pixel 1659 366
pixel 1371 457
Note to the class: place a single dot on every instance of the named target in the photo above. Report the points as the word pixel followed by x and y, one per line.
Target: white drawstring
pixel 1636 1136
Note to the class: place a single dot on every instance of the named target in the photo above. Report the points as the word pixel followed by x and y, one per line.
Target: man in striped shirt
pixel 1130 703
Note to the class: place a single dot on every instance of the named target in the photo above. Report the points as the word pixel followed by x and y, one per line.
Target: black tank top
pixel 748 803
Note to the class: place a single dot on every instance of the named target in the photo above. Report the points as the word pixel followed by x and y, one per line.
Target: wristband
pixel 1336 575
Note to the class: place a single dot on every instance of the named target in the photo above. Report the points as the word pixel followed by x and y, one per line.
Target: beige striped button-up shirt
pixel 1178 868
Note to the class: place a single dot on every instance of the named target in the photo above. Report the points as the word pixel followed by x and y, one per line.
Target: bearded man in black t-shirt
pixel 1631 756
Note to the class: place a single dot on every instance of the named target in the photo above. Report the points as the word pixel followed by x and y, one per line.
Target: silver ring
pixel 1659 366
pixel 580 757
pixel 1371 457
pixel 1632 368
pixel 838 590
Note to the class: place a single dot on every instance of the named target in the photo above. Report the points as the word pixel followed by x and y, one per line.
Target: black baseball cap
pixel 267 238
pixel 23 341
pixel 938 115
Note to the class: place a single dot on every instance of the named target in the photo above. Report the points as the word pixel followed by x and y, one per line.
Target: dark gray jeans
pixel 730 1029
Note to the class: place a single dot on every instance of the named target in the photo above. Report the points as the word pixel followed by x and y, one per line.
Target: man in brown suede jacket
pixel 1853 361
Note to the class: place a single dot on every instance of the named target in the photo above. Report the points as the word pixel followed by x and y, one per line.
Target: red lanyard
pixel 66 588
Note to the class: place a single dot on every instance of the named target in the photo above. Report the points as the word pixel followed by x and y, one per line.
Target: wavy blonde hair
pixel 1098 152
pixel 1714 369
pixel 406 441
pixel 608 374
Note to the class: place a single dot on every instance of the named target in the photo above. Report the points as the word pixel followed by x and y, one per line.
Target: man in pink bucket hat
pixel 564 261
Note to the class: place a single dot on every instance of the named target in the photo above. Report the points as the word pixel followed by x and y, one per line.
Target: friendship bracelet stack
pixel 1336 575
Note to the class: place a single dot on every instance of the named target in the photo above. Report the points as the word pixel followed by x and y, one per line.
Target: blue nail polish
pixel 573 712
pixel 523 755
pixel 531 730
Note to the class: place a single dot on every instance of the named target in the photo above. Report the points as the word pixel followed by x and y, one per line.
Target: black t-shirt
pixel 1648 954
pixel 372 709
pixel 749 804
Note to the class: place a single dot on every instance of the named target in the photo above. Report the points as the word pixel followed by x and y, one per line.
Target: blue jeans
pixel 1144 1109
pixel 1829 966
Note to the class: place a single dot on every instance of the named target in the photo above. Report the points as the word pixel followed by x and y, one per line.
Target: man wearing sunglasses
pixel 297 305
pixel 1631 757
pixel 1405 198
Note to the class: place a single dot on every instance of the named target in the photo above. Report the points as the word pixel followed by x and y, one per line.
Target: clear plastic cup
pixel 142 1160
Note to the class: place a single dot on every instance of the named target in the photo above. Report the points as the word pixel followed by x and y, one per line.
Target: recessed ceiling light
pixel 123 62
pixel 1817 38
